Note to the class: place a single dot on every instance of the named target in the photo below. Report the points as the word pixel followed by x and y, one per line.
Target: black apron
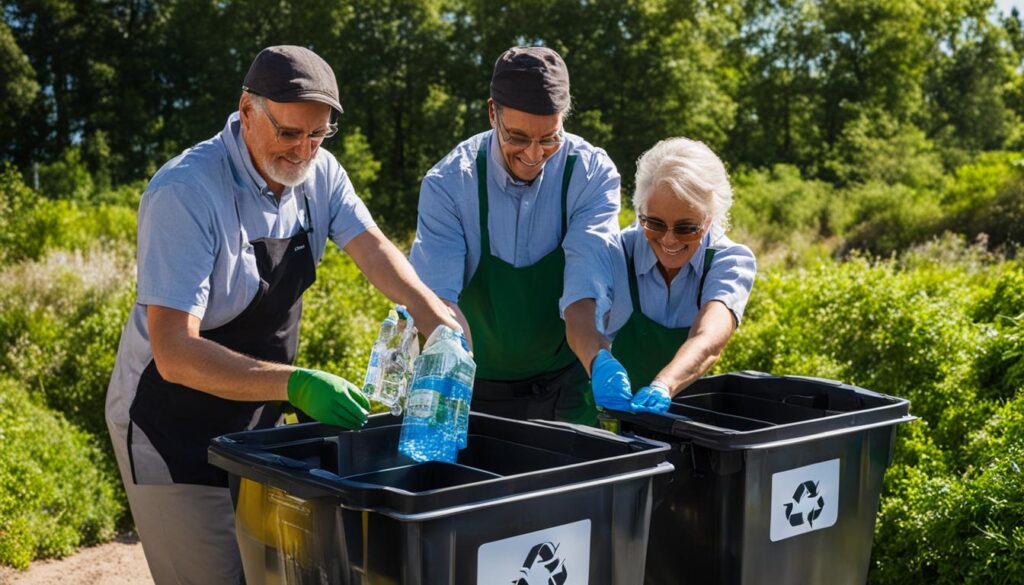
pixel 181 421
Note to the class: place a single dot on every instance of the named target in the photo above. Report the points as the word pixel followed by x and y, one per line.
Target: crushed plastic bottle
pixel 389 370
pixel 437 410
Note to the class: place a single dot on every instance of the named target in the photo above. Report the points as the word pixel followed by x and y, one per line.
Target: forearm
pixel 581 332
pixel 183 357
pixel 692 361
pixel 708 337
pixel 388 270
pixel 212 368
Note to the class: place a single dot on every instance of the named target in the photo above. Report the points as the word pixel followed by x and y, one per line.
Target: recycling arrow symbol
pixel 806 496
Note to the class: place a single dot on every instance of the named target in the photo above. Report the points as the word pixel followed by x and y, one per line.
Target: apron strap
pixel 709 255
pixel 634 290
pixel 481 193
pixel 570 162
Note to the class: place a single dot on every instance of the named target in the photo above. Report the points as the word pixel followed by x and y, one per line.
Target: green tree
pixel 18 88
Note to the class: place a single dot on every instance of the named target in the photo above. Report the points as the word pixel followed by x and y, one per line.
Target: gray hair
pixel 691 172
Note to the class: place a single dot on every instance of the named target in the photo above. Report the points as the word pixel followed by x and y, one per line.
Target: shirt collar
pixel 645 260
pixel 245 172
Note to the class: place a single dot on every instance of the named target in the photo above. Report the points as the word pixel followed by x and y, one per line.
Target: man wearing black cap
pixel 230 233
pixel 513 226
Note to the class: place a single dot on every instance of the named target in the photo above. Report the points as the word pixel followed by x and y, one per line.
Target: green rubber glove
pixel 328 398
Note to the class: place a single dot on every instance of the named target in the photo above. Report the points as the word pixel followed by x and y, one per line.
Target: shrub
pixel 17 201
pixel 890 218
pixel 784 218
pixel 54 497
pixel 987 197
pixel 963 527
pixel 60 319
pixel 862 322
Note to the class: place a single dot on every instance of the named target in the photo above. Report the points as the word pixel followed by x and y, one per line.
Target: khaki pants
pixel 187 531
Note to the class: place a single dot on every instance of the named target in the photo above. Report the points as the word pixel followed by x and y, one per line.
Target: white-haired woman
pixel 688 283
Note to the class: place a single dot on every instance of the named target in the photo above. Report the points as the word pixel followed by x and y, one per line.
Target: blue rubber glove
pixel 654 398
pixel 610 382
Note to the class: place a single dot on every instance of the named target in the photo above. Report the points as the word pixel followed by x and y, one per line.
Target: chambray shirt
pixel 524 220
pixel 196 219
pixel 729 280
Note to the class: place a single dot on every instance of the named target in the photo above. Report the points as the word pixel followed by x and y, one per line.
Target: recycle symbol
pixel 543 566
pixel 804 497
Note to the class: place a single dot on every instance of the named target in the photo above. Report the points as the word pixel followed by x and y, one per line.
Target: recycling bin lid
pixel 755 410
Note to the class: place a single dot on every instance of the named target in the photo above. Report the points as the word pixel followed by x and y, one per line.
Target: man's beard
pixel 286 174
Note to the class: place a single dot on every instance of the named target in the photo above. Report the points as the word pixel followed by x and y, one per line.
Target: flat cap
pixel 287 73
pixel 531 79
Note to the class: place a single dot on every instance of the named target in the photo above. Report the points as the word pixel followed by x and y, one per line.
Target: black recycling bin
pixel 777 480
pixel 525 503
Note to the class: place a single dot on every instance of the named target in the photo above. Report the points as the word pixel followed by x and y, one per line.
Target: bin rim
pixel 661 468
pixel 307 482
pixel 895 412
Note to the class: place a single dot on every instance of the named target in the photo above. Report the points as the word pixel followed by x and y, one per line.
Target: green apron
pixel 644 346
pixel 519 342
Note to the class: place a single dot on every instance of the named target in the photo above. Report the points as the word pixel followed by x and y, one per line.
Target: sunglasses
pixel 685 231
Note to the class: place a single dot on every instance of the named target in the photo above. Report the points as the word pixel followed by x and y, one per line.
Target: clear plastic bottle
pixel 397 363
pixel 374 369
pixel 438 401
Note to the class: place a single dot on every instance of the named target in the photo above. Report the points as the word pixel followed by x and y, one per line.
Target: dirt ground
pixel 120 562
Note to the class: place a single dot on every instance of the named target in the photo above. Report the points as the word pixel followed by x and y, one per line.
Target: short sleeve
pixel 176 249
pixel 439 251
pixel 730 279
pixel 349 216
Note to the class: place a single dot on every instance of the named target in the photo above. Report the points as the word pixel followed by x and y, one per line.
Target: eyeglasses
pixel 686 232
pixel 292 137
pixel 520 141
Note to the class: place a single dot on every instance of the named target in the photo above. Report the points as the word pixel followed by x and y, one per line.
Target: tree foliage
pixel 846 91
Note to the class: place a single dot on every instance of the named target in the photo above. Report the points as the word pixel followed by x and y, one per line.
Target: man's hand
pixel 610 382
pixel 328 398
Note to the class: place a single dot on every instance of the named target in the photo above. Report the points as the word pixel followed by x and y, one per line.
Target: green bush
pixel 17 202
pixel 785 219
pixel 958 528
pixel 890 218
pixel 54 494
pixel 60 320
pixel 862 322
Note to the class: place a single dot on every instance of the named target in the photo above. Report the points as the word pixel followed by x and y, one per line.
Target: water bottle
pixel 397 363
pixel 374 371
pixel 389 370
pixel 438 404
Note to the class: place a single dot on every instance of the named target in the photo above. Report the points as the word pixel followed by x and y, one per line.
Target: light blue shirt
pixel 729 280
pixel 525 221
pixel 192 255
